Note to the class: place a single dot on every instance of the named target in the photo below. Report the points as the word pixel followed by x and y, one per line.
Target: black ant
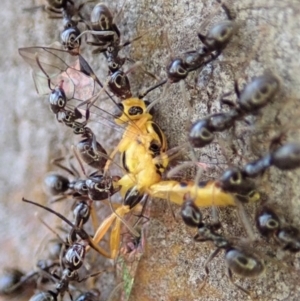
pixel 95 188
pixel 239 260
pixel 214 42
pixel 286 157
pixel 254 96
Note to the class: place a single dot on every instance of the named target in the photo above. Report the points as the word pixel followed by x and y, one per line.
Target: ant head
pixel 119 83
pixel 190 213
pixel 176 70
pixel 44 296
pixel 81 213
pixel 267 221
pixel 200 134
pixel 74 256
pixel 57 100
pixel 91 295
pixel 87 153
pixel 69 38
pixel 234 181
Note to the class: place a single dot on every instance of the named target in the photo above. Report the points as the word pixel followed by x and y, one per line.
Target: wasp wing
pixel 53 66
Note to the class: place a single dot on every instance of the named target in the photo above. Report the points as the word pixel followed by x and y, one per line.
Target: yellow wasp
pixel 144 158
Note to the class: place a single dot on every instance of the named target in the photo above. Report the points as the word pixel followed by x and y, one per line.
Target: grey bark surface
pixel 172 265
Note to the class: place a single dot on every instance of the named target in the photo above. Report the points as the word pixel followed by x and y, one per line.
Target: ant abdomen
pixel 243 263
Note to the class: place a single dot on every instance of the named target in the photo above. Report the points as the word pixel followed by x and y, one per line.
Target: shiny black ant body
pixel 214 42
pixel 256 95
pixel 286 157
pixel 95 188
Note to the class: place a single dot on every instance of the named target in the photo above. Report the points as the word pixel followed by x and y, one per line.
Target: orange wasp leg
pixel 115 233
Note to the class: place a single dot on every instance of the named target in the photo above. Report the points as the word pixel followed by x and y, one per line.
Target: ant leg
pixel 79 160
pixel 49 228
pixel 83 235
pixel 130 41
pixel 208 260
pixel 153 103
pixel 241 212
pixel 57 163
pixel 95 274
pixel 229 274
pixel 236 88
pixel 143 93
pixel 184 96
